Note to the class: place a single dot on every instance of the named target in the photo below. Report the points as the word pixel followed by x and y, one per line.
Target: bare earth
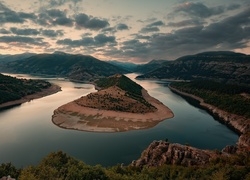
pixel 45 92
pixel 74 116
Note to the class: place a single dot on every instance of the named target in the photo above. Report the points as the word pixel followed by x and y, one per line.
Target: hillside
pixel 119 105
pixel 124 65
pixel 74 67
pixel 150 66
pixel 13 89
pixel 9 58
pixel 227 67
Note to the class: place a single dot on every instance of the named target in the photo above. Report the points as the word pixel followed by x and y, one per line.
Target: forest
pixel 231 98
pixel 12 88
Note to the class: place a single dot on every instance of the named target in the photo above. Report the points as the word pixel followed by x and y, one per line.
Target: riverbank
pixel 239 124
pixel 74 116
pixel 45 92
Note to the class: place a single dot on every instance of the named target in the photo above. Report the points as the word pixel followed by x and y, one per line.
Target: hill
pixel 119 105
pixel 152 65
pixel 75 67
pixel 16 91
pixel 9 58
pixel 222 66
pixel 124 65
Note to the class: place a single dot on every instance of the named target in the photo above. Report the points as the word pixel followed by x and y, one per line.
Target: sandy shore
pixel 73 116
pixel 45 92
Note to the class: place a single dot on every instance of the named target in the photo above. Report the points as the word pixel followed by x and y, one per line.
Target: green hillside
pixel 226 67
pixel 14 89
pixel 74 67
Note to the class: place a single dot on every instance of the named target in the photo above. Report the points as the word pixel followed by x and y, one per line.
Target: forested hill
pixel 75 67
pixel 14 89
pixel 227 67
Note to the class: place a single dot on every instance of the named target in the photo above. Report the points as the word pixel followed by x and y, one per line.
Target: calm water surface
pixel 27 133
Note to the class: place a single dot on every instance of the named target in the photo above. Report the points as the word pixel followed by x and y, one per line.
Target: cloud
pixel 198 10
pixel 24 31
pixel 149 29
pixel 122 26
pixel 189 22
pixel 52 33
pixel 4 31
pixel 84 21
pixel 157 23
pixel 233 7
pixel 9 16
pixel 228 34
pixel 97 41
pixel 23 40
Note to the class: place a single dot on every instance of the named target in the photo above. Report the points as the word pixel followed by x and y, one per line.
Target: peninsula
pixel 119 105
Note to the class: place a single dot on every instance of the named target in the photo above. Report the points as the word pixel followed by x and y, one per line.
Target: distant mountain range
pixel 74 67
pixel 221 66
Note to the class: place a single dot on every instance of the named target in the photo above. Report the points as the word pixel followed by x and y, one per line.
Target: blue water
pixel 28 134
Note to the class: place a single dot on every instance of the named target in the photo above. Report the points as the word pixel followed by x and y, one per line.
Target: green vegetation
pixel 61 166
pixel 132 89
pixel 223 96
pixel 74 67
pixel 13 89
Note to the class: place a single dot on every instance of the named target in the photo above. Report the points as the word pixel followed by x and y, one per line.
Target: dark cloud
pixel 52 33
pixel 4 31
pixel 189 22
pixel 149 29
pixel 9 16
pixel 23 40
pixel 97 41
pixel 233 7
pixel 26 32
pixel 122 26
pixel 56 13
pixel 54 17
pixel 228 34
pixel 84 21
pixel 157 23
pixel 103 39
pixel 198 10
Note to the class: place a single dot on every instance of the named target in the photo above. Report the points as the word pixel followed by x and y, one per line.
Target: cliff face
pixel 161 152
pixel 238 123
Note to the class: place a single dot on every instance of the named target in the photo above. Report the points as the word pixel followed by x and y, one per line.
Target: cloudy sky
pixel 125 30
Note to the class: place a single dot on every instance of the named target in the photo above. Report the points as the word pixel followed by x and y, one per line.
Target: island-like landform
pixel 16 91
pixel 119 105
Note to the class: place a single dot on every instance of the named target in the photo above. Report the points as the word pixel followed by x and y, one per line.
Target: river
pixel 27 133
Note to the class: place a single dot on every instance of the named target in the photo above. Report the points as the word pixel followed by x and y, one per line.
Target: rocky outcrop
pixel 239 123
pixel 161 152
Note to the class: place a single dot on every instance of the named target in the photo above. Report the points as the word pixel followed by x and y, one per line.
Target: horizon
pixel 124 31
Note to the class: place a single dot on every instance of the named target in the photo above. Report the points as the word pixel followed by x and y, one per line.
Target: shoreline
pixel 238 124
pixel 45 92
pixel 73 116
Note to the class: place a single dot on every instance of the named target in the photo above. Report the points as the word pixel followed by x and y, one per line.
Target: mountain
pixel 152 65
pixel 8 58
pixel 125 65
pixel 74 67
pixel 221 66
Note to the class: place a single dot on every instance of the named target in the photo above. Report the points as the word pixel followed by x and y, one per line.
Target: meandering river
pixel 27 133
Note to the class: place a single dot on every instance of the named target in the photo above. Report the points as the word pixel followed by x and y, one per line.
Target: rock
pixel 162 152
pixel 230 149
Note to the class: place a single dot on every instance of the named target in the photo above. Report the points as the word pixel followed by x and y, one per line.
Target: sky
pixel 124 30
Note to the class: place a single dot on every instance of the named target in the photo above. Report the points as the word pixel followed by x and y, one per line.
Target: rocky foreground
pixel 161 152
